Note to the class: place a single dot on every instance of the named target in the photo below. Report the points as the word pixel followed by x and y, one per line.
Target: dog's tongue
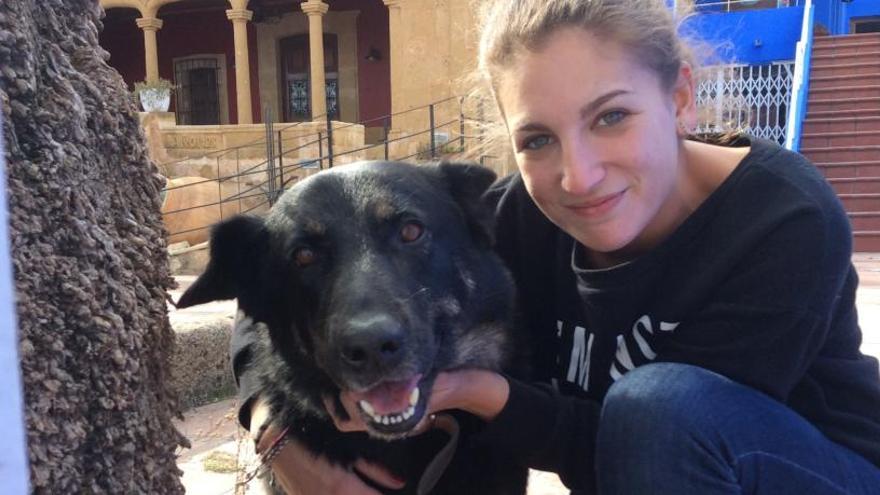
pixel 389 397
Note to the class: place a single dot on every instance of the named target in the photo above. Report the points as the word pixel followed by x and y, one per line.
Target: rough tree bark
pixel 89 257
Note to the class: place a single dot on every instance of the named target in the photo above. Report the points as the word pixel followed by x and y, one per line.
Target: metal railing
pixel 744 5
pixel 291 151
pixel 797 109
pixel 753 98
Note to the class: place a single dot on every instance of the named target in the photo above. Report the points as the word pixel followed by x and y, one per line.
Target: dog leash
pixel 441 461
pixel 267 457
pixel 433 472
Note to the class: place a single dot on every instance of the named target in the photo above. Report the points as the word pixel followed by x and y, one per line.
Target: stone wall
pixel 434 51
pixel 194 157
pixel 89 259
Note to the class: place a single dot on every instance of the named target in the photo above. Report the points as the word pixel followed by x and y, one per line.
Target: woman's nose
pixel 582 168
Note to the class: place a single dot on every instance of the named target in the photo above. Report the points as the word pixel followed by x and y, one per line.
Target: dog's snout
pixel 375 342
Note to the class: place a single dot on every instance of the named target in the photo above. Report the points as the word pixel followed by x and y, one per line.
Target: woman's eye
pixel 411 232
pixel 305 256
pixel 536 142
pixel 611 118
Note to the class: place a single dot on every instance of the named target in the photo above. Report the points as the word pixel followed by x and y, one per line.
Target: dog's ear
pixel 236 244
pixel 467 182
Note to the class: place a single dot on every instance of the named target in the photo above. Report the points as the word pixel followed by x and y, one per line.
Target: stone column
pixel 151 54
pixel 240 18
pixel 395 45
pixel 316 9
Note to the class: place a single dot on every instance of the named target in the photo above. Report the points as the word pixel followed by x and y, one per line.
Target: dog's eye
pixel 411 231
pixel 305 256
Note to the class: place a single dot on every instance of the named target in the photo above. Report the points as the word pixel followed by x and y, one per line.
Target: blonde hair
pixel 648 29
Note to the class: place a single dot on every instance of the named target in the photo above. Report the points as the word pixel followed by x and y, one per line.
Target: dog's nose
pixel 372 342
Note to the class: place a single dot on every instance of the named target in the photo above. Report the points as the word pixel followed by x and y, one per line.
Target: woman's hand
pixel 300 472
pixel 480 392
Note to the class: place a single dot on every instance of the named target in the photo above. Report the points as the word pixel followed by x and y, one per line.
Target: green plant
pixel 158 85
pixel 220 462
pixel 441 150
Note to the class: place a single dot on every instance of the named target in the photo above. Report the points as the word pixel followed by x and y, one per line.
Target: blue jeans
pixel 675 429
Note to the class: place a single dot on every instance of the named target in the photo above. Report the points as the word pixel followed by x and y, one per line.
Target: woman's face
pixel 596 140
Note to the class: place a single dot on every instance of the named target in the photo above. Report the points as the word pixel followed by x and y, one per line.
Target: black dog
pixel 372 278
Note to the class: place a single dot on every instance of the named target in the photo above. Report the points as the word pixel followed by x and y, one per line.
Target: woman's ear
pixel 685 98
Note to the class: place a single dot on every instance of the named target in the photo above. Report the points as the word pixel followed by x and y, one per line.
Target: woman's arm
pixel 534 424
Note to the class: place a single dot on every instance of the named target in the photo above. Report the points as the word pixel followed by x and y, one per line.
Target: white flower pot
pixel 155 100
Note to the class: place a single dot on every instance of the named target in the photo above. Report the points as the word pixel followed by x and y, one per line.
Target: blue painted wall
pixel 835 15
pixel 766 35
pixel 752 36
pixel 859 8
pixel 828 15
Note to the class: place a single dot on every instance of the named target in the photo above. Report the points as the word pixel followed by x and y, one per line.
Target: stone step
pixel 843 81
pixel 863 66
pixel 866 241
pixel 821 60
pixel 845 40
pixel 826 154
pixel 847 170
pixel 847 49
pixel 200 367
pixel 846 45
pixel 865 221
pixel 840 139
pixel 855 185
pixel 831 92
pixel 843 108
pixel 860 202
pixel 813 125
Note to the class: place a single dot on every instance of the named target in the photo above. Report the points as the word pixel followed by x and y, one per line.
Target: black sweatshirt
pixel 757 285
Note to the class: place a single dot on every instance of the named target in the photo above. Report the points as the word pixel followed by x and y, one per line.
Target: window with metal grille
pixel 198 91
pixel 296 75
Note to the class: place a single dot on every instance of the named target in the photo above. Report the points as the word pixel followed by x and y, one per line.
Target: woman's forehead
pixel 573 67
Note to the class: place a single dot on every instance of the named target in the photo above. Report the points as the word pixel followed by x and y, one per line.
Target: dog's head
pixel 372 277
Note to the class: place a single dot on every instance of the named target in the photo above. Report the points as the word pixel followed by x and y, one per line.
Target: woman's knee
pixel 659 401
pixel 660 385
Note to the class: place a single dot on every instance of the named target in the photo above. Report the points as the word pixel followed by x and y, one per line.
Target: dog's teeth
pixel 367 407
pixel 414 397
pixel 409 412
pixel 386 420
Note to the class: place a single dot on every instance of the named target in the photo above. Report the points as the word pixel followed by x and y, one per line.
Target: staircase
pixel 841 132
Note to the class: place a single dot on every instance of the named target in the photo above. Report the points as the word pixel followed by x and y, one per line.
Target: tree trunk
pixel 89 257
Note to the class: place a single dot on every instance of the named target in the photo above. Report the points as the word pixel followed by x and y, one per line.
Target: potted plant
pixel 155 96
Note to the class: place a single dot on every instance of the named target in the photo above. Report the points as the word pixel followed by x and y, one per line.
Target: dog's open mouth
pixel 393 407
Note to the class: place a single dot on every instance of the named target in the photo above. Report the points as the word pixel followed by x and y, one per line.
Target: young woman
pixel 691 306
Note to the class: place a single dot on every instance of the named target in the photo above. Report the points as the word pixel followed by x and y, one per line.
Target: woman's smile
pixel 598 208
